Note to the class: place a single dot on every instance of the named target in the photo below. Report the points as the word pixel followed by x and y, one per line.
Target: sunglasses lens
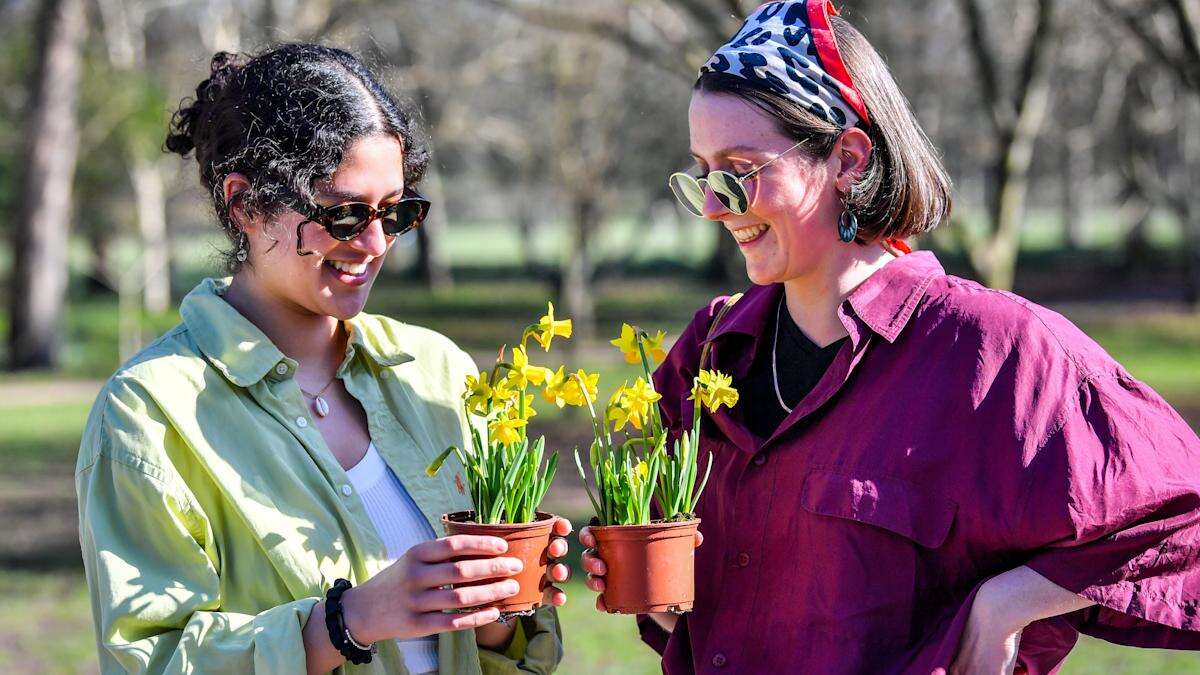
pixel 729 191
pixel 404 216
pixel 346 221
pixel 688 191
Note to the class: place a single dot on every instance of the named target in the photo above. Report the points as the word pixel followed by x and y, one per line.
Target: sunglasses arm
pixel 300 239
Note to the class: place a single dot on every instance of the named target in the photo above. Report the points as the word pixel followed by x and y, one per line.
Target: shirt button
pixel 743 559
pixel 760 459
pixel 347 490
pixel 386 374
pixel 282 369
pixel 719 660
pixel 301 422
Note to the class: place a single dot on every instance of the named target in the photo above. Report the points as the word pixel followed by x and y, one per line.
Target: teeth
pixel 348 268
pixel 749 234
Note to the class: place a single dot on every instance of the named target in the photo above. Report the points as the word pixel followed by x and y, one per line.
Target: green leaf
pixel 436 464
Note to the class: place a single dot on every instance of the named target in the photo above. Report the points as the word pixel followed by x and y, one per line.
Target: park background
pixel 1071 128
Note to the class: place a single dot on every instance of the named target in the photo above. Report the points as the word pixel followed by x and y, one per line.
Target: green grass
pixel 45 623
pixel 43 434
pixel 45 627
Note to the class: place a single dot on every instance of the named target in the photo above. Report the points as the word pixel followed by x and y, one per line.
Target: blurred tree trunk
pixel 579 268
pixel 1016 120
pixel 40 271
pixel 124 24
pixel 433 264
pixel 1169 33
pixel 149 194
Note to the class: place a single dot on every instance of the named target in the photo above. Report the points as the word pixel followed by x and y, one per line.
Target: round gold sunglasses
pixel 728 188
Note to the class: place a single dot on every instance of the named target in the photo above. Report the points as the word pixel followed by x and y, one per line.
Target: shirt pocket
pixel 868 538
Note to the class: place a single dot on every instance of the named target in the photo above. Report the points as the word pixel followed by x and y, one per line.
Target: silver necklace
pixel 319 404
pixel 774 349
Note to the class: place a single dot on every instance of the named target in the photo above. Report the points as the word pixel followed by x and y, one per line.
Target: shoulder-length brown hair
pixel 904 190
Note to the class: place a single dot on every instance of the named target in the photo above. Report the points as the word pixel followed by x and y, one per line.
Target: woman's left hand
pixel 496 636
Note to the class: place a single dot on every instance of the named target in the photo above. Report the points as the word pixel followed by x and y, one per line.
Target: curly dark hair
pixel 284 118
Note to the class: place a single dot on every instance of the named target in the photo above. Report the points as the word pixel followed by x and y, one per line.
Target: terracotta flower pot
pixel 528 541
pixel 651 568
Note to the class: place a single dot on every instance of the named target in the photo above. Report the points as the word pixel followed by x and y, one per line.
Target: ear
pixel 233 186
pixel 853 153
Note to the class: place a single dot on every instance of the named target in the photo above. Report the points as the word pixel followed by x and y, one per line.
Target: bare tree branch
pixel 987 63
pixel 1135 21
pixel 593 27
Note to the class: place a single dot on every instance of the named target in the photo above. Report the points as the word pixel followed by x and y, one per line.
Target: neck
pixel 813 299
pixel 317 342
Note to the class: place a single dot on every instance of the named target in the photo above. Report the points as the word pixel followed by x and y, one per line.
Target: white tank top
pixel 400 525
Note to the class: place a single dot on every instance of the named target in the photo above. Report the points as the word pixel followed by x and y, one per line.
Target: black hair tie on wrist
pixel 335 621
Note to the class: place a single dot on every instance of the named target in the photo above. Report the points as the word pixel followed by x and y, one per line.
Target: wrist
pixel 496 636
pixel 355 615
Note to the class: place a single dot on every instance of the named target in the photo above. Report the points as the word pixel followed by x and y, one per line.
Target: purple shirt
pixel 960 432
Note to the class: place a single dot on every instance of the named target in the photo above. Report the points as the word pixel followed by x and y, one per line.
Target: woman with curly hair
pixel 251 486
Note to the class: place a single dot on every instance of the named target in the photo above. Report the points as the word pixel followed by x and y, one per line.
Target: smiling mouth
pixel 349 268
pixel 749 234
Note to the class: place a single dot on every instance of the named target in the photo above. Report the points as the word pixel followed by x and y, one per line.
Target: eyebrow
pixel 730 150
pixel 343 196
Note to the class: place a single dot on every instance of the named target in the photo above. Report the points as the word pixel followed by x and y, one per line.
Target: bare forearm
pixel 1021 596
pixel 320 653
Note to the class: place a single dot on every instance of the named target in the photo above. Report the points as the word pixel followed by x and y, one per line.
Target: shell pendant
pixel 320 406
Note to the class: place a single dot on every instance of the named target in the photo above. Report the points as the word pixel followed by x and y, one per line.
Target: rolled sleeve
pixel 1130 481
pixel 155 588
pixel 537 647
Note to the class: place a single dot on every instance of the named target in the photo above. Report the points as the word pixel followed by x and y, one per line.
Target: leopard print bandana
pixel 789 48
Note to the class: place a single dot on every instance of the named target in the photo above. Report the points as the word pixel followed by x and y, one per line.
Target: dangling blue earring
pixel 847 225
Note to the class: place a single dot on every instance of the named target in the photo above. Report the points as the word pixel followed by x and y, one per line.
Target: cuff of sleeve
pixel 1160 611
pixel 279 637
pixel 536 647
pixel 652 633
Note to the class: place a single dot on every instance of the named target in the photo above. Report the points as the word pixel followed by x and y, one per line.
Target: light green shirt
pixel 213 516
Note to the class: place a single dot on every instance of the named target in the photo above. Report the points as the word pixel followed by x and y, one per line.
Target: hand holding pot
pixel 406 600
pixel 596 568
pixel 557 572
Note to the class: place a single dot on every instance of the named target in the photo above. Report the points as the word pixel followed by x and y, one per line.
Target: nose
pixel 372 241
pixel 713 208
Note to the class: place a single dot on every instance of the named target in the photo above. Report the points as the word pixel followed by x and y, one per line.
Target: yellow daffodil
pixel 641 393
pixel 478 393
pixel 506 429
pixel 713 389
pixel 555 391
pixel 627 343
pixel 547 327
pixel 631 405
pixel 654 346
pixel 523 372
pixel 576 389
pixel 640 474
pixel 504 394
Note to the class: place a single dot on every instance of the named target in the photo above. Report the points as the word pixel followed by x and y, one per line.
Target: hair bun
pixel 185 123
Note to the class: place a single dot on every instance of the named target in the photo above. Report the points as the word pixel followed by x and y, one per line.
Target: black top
pixel 800 364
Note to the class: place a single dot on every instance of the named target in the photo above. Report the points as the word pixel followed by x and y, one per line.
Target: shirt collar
pixel 244 354
pixel 884 301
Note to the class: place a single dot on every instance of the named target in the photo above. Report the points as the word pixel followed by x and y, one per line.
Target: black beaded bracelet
pixel 335 621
